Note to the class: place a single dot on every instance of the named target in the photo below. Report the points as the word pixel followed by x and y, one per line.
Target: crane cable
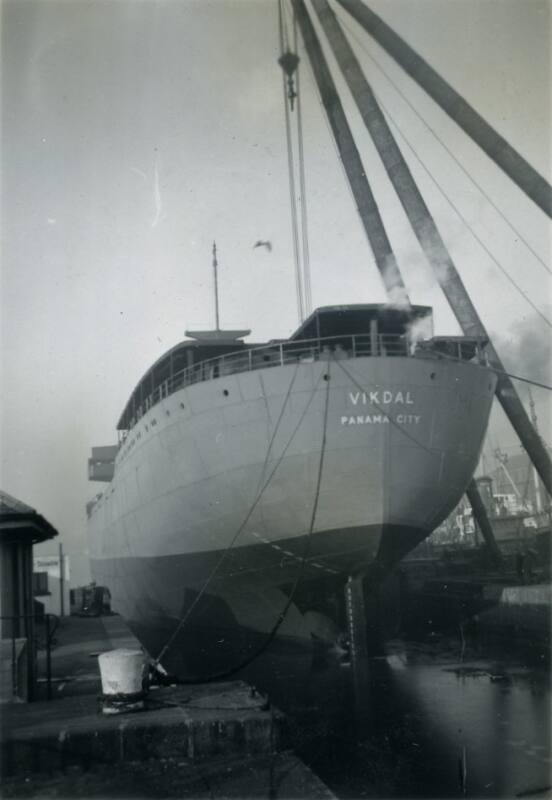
pixel 436 136
pixel 464 219
pixel 186 616
pixel 291 172
pixel 444 194
pixel 258 494
pixel 500 372
pixel 296 165
pixel 302 185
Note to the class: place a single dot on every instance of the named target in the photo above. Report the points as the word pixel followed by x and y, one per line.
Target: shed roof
pixel 19 521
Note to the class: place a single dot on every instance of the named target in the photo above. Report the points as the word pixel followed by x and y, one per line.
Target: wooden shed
pixel 20 528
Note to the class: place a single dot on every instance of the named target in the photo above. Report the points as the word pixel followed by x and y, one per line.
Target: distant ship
pixel 242 467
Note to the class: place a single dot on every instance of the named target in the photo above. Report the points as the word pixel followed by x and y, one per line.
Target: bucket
pixel 122 673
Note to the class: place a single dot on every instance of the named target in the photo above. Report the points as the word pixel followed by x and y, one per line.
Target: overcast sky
pixel 136 131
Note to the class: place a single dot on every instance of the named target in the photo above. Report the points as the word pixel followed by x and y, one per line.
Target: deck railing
pixel 282 353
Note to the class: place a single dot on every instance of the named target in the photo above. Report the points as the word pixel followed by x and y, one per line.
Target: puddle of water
pixel 420 722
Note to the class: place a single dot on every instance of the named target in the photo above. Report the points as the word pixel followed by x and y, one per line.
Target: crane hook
pixel 289 62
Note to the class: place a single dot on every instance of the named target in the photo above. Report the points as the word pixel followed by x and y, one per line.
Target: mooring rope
pixel 281 617
pixel 223 556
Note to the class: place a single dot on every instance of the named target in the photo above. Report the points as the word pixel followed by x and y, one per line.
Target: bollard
pixel 122 672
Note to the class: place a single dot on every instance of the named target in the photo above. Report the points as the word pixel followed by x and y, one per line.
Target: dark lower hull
pixel 213 647
pixel 238 612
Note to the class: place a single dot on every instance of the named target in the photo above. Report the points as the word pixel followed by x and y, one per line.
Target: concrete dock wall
pixel 522 610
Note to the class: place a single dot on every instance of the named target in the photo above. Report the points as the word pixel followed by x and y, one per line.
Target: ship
pixel 244 469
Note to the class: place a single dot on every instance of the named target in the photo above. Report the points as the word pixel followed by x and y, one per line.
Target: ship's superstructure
pixel 330 452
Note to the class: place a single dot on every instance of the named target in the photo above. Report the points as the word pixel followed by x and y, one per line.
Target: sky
pixel 134 132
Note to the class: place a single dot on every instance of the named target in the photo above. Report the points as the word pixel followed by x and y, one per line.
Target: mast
pixel 465 116
pixel 217 335
pixel 215 270
pixel 538 498
pixel 364 198
pixel 429 237
pixel 502 459
pixel 480 514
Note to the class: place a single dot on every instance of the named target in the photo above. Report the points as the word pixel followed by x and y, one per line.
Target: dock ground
pixel 219 740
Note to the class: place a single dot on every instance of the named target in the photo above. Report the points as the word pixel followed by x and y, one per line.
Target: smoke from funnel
pixel 527 351
pixel 398 296
pixel 419 330
pixel 428 266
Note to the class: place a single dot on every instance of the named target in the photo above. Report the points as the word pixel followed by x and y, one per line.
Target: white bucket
pixel 122 671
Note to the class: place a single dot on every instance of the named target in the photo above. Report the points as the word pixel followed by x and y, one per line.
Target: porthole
pixel 182 405
pixel 168 413
pixel 326 377
pixel 225 392
pixel 432 376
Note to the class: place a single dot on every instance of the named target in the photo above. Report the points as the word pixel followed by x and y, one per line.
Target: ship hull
pixel 252 481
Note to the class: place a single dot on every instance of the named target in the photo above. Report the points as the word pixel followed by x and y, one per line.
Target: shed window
pixel 40 583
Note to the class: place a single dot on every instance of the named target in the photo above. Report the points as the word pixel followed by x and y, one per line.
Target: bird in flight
pixel 268 245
